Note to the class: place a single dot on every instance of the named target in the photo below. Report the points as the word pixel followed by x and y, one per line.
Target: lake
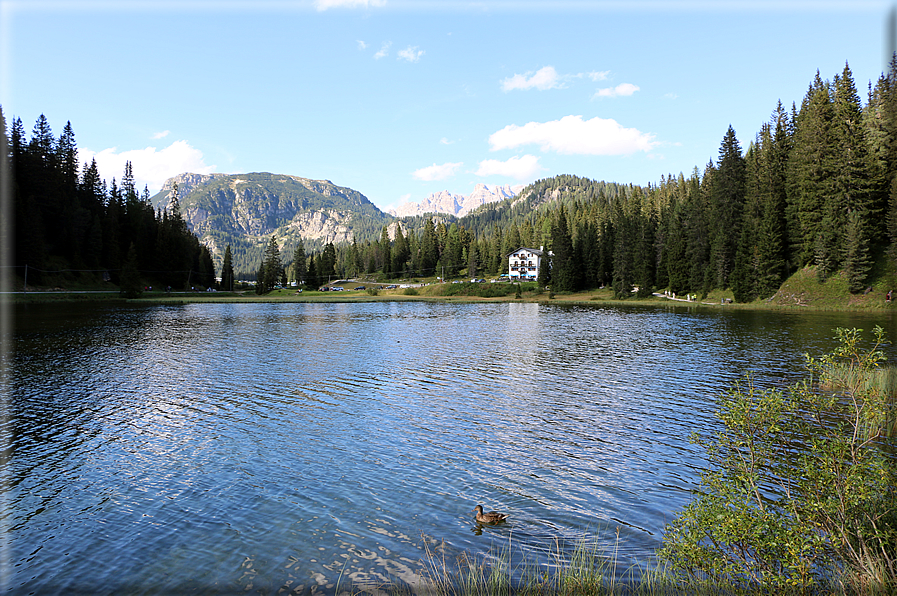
pixel 285 448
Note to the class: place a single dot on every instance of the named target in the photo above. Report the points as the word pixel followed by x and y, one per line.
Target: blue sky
pixel 399 99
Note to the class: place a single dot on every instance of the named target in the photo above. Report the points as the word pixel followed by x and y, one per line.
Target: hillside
pixel 245 210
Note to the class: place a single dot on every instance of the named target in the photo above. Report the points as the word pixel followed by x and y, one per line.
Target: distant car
pixel 337 288
pixel 360 288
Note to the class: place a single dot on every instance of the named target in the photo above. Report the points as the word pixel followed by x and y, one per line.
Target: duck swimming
pixel 491 517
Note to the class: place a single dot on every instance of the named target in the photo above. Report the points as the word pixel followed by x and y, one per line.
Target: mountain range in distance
pixel 455 204
pixel 245 210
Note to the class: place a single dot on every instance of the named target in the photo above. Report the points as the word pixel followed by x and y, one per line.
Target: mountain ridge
pixel 456 204
pixel 245 210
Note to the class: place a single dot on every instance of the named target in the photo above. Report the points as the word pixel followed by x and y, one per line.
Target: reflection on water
pixel 260 447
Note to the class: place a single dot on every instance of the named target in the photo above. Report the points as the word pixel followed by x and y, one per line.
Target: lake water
pixel 285 448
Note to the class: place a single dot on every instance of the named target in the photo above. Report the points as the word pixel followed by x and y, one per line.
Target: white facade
pixel 524 263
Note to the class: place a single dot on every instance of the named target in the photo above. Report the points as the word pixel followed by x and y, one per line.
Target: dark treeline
pixel 815 187
pixel 75 227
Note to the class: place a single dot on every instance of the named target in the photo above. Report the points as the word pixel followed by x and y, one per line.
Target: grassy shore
pixel 588 569
pixel 801 292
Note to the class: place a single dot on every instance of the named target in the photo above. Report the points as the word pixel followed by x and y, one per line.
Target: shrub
pixel 474 289
pixel 801 485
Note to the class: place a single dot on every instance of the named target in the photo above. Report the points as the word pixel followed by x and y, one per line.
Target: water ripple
pixel 222 448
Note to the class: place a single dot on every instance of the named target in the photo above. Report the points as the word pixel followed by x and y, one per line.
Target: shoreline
pixel 594 298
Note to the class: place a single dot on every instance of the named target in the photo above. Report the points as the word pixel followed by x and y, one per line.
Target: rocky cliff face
pixel 186 183
pixel 458 205
pixel 245 210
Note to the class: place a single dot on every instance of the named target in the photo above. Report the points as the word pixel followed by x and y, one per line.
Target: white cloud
pixel 571 135
pixel 323 5
pixel 151 166
pixel 411 54
pixel 361 45
pixel 623 89
pixel 520 168
pixel 161 135
pixel 544 78
pixel 437 172
pixel 445 141
pixel 548 78
pixel 384 50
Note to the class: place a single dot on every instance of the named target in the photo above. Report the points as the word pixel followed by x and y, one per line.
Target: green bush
pixel 475 289
pixel 800 490
pixel 411 292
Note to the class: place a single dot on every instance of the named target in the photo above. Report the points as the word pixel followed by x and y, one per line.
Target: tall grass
pixel 880 381
pixel 588 570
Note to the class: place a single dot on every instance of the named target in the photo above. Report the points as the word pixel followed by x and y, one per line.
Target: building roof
pixel 535 251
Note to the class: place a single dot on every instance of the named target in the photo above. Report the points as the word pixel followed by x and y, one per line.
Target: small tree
pixel 272 268
pixel 300 269
pixel 800 485
pixel 227 271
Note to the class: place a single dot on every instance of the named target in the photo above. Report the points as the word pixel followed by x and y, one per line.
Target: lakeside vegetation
pixel 814 190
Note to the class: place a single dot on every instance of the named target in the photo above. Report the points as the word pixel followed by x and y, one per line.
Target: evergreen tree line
pixel 73 226
pixel 815 187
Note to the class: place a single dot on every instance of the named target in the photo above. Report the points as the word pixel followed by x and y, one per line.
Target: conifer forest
pixel 816 187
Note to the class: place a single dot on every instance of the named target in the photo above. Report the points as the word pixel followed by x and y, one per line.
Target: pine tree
pixel 227 271
pixel 498 259
pixel 67 152
pixel 811 164
pixel 772 255
pixel 727 202
pixel 645 256
pixel 312 279
pixel 852 189
pixel 452 256
pixel 563 266
pixel 300 269
pixel 400 253
pixel 386 252
pixel 271 271
pixel 857 262
pixel 675 249
pixel 327 263
pixel 473 259
pixel 429 251
pixel 129 281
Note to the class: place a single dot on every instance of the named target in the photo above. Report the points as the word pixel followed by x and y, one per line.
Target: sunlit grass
pixel 588 570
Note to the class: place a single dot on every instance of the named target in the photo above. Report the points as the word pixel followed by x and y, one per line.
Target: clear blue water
pixel 285 448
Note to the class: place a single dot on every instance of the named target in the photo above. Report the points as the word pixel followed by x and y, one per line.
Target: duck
pixel 491 517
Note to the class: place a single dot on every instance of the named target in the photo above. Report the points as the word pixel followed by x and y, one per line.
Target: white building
pixel 524 263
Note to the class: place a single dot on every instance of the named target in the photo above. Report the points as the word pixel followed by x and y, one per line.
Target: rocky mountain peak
pixel 458 205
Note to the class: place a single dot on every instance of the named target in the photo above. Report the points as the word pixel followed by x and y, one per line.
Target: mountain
pixel 457 205
pixel 245 210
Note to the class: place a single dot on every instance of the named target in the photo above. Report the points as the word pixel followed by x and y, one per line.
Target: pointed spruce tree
pixel 227 271
pixel 300 268
pixel 727 202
